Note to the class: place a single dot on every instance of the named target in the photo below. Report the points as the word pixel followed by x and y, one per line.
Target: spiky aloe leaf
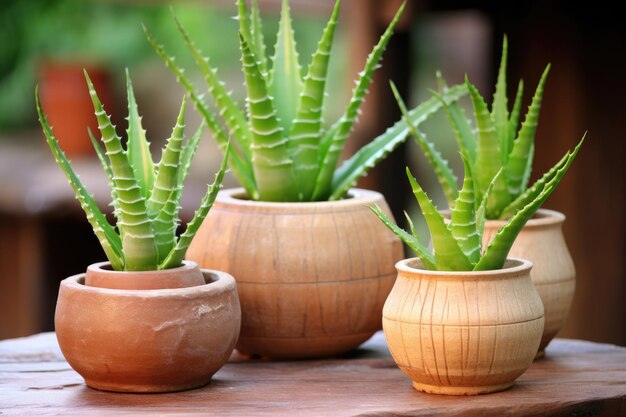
pixel 166 188
pixel 529 168
pixel 138 146
pixel 448 254
pixel 241 167
pixel 230 112
pixel 177 254
pixel 188 152
pixel 498 249
pixel 138 240
pixel 481 209
pixel 304 135
pixel 488 158
pixel 517 165
pixel 412 241
pixel 256 34
pixel 285 78
pixel 461 126
pixel 273 168
pixel 323 187
pixel 500 111
pixel 515 113
pixel 463 218
pixel 108 238
pixel 445 176
pixel 557 171
pixel 107 169
pixel 367 156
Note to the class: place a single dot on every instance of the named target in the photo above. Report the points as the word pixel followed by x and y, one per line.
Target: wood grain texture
pixel 541 241
pixel 463 333
pixel 576 378
pixel 312 277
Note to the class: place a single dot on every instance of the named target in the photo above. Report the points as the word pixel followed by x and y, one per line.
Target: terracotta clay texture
pixel 148 340
pixel 101 275
pixel 312 277
pixel 541 241
pixel 463 333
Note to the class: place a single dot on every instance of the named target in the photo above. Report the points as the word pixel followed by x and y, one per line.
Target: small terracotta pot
pixel 463 333
pixel 312 277
pixel 541 241
pixel 156 340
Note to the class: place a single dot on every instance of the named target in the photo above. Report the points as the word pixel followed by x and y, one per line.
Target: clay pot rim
pixel 513 267
pixel 98 267
pixel 219 282
pixel 237 197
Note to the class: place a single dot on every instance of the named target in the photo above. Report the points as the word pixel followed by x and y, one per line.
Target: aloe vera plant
pixel 457 243
pixel 146 196
pixel 282 151
pixel 495 145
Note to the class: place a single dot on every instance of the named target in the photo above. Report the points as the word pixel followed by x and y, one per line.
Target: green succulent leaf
pixel 305 132
pixel 323 187
pixel 175 257
pixel 285 81
pixel 412 241
pixel 273 167
pixel 107 169
pixel 557 171
pixel 230 112
pixel 138 240
pixel 481 209
pixel 461 126
pixel 138 146
pixel 499 111
pixel 241 167
pixel 256 34
pixel 515 114
pixel 445 176
pixel 463 218
pixel 448 254
pixel 369 155
pixel 108 238
pixel 517 165
pixel 188 152
pixel 488 157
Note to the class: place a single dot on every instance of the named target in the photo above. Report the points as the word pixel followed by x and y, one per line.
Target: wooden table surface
pixel 575 379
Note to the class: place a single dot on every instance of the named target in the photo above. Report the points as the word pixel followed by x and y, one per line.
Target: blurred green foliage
pixel 109 33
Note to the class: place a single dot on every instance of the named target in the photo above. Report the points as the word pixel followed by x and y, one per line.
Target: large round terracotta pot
pixel 541 241
pixel 463 333
pixel 312 277
pixel 147 340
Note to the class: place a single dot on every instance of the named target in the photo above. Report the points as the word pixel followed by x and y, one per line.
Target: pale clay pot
pixel 463 333
pixel 154 340
pixel 312 277
pixel 541 241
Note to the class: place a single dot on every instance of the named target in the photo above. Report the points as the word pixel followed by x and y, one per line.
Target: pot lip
pixel 519 266
pixel 221 282
pixel 543 218
pixel 98 267
pixel 231 197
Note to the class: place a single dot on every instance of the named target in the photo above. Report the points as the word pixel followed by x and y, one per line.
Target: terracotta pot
pixel 541 241
pixel 66 102
pixel 463 333
pixel 312 277
pixel 101 275
pixel 156 340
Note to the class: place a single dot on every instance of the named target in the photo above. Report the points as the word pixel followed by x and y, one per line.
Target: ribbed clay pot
pixel 147 340
pixel 541 241
pixel 463 333
pixel 312 277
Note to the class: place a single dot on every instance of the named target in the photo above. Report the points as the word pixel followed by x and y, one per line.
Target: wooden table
pixel 576 378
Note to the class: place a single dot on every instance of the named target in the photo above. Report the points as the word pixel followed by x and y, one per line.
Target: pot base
pixel 143 388
pixel 300 348
pixel 540 354
pixel 447 390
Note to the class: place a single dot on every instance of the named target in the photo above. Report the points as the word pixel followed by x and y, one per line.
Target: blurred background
pixel 45 238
